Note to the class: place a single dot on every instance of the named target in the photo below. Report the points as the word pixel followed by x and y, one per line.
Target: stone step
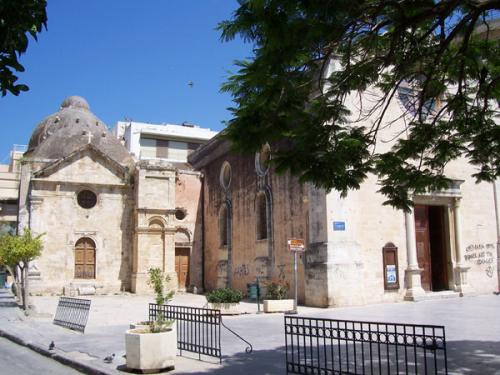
pixel 429 296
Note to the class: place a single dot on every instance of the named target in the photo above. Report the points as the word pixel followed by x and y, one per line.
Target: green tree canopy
pixel 20 250
pixel 440 57
pixel 18 20
pixel 16 252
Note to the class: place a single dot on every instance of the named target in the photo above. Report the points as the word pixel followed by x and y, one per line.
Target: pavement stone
pixel 472 329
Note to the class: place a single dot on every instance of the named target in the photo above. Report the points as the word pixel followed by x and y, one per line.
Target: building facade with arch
pixel 113 205
pixel 358 250
pixel 107 215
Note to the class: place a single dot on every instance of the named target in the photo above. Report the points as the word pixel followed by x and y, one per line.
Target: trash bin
pixel 252 290
pixel 3 279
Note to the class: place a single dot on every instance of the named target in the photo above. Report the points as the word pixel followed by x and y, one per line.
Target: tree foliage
pixel 16 252
pixel 19 19
pixel 20 250
pixel 312 57
pixel 157 281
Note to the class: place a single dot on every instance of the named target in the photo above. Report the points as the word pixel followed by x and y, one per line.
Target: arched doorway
pixel 85 259
pixel 182 258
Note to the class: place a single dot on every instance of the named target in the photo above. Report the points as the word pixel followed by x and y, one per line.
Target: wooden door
pixel 85 259
pixel 439 258
pixel 182 266
pixel 423 245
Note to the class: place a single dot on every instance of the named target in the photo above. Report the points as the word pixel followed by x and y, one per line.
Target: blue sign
pixel 339 225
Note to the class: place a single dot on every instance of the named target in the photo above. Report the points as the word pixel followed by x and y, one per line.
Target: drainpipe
pixel 497 215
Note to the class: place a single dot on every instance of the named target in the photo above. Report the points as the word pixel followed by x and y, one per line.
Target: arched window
pixel 85 259
pixel 223 226
pixel 261 206
pixel 262 160
pixel 225 175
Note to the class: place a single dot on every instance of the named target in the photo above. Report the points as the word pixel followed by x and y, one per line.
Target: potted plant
pixel 276 297
pixel 157 281
pixel 226 300
pixel 152 346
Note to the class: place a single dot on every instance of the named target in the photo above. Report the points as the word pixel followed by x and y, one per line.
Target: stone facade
pixel 54 211
pixel 167 217
pixel 447 246
pixel 244 255
pixel 106 218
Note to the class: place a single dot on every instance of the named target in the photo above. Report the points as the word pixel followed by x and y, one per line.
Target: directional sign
pixel 296 244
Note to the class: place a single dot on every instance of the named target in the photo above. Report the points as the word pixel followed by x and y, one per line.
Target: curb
pixel 70 362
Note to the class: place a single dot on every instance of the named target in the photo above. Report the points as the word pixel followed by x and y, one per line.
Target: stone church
pixel 106 217
pixel 113 205
pixel 358 251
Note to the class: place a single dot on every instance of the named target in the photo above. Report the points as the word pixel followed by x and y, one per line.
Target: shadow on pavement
pixel 7 299
pixel 464 357
pixel 474 357
pixel 260 362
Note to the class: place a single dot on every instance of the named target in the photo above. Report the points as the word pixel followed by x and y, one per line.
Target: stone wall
pixel 154 223
pixel 189 229
pixel 245 257
pixel 54 211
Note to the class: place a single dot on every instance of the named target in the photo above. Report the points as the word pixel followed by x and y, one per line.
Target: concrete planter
pixel 278 305
pixel 150 352
pixel 225 308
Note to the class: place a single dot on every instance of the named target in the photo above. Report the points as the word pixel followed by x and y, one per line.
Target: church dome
pixel 70 129
pixel 75 102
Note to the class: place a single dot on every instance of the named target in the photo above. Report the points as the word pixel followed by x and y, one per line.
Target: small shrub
pixel 157 282
pixel 160 325
pixel 226 295
pixel 277 290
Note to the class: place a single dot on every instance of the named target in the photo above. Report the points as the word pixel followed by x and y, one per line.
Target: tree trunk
pixel 22 293
pixel 25 286
pixel 17 282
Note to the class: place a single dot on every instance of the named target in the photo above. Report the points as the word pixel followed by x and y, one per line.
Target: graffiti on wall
pixel 241 271
pixel 281 271
pixel 221 268
pixel 482 255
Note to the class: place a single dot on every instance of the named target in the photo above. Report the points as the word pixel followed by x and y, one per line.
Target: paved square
pixel 472 331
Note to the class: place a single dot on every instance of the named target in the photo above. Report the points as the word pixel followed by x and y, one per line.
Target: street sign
pixel 296 244
pixel 339 225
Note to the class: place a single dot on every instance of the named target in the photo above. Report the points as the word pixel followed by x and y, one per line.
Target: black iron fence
pixel 198 329
pixel 72 313
pixel 331 347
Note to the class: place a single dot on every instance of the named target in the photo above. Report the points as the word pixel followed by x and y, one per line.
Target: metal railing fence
pixel 332 347
pixel 72 313
pixel 198 329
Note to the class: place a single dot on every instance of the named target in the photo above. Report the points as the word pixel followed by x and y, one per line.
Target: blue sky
pixel 130 59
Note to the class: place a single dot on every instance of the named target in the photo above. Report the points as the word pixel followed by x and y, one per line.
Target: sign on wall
pixel 390 274
pixel 296 244
pixel 390 262
pixel 339 225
